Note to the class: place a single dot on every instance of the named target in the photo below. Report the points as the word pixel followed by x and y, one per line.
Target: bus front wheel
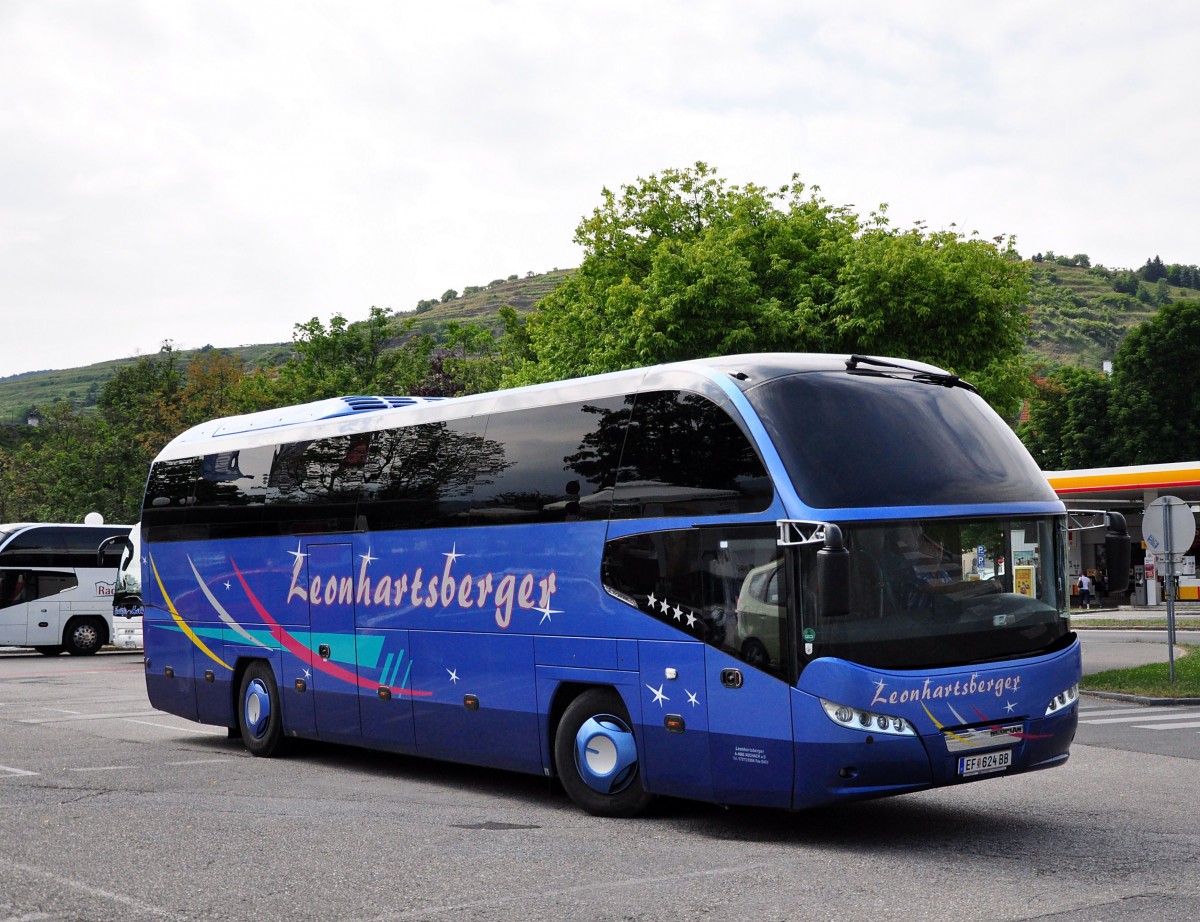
pixel 596 756
pixel 260 717
pixel 83 636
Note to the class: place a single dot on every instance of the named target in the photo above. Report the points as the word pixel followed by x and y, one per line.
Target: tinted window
pixel 17 586
pixel 313 486
pixel 684 455
pixel 166 510
pixel 720 584
pixel 555 464
pixel 82 544
pixel 40 547
pixel 868 440
pixel 421 476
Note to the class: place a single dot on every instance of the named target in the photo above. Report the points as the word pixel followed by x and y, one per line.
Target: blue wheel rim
pixel 606 754
pixel 256 709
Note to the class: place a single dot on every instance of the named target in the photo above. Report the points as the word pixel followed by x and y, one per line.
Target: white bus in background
pixel 127 609
pixel 55 593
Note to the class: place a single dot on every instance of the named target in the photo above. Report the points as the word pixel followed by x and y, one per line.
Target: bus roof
pixel 347 414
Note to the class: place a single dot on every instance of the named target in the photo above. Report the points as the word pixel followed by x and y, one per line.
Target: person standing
pixel 1085 591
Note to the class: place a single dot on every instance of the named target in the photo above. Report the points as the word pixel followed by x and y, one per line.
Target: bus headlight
pixel 1063 699
pixel 867 721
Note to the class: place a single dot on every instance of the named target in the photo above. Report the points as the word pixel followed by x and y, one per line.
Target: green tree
pixel 683 265
pixel 939 298
pixel 471 359
pixel 136 400
pixel 1070 423
pixel 1156 377
pixel 71 465
pixel 372 356
pixel 1153 270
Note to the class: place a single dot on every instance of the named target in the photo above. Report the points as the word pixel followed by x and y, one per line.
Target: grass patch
pixel 1152 680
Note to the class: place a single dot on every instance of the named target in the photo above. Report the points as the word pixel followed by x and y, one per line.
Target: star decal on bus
pixel 659 697
pixel 672 611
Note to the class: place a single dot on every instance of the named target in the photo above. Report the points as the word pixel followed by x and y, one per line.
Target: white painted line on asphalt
pixel 1140 718
pixel 104 768
pixel 55 720
pixel 176 727
pixel 15 771
pixel 1188 726
pixel 1113 712
pixel 198 762
pixel 90 889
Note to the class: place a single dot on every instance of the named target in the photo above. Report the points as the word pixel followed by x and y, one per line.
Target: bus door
pixel 335 660
pixel 750 732
pixel 674 719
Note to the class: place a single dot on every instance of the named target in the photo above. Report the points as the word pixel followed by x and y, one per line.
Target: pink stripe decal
pixel 306 654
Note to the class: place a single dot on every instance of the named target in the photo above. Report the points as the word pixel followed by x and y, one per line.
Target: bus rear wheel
pixel 596 756
pixel 84 636
pixel 260 717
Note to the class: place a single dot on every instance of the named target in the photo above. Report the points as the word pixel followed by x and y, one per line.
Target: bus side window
pixel 39 547
pixel 44 584
pixel 685 455
pixel 313 485
pixel 421 476
pixel 723 585
pixel 559 463
pixel 12 588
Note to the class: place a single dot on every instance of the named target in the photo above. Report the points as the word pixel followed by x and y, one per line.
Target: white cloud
pixel 215 172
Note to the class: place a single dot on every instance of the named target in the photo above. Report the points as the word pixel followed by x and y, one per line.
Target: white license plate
pixel 984 762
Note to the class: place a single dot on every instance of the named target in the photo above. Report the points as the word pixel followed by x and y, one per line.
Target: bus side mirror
pixel 833 575
pixel 1117 553
pixel 107 544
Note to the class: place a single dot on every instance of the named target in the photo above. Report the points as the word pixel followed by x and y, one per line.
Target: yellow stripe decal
pixel 938 724
pixel 183 624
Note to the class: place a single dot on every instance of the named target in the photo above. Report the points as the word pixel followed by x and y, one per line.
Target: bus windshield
pixel 941 445
pixel 945 592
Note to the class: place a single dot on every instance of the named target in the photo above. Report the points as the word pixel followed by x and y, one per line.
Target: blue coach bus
pixel 747 580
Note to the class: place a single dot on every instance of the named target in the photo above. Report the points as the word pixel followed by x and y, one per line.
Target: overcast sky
pixel 216 172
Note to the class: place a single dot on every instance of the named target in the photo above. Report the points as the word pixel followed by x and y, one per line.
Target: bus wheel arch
pixel 84 636
pixel 260 710
pixel 596 755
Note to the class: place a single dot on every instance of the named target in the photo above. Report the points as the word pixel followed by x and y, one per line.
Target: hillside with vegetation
pixel 81 386
pixel 1079 315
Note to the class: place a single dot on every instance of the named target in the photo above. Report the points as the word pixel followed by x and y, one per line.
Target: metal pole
pixel 1170 590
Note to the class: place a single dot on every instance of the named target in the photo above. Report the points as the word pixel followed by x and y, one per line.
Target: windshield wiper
pixel 918 374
